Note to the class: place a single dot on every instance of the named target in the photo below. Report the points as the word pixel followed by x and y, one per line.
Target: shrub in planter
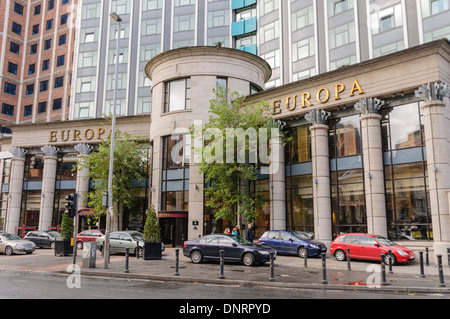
pixel 63 245
pixel 152 236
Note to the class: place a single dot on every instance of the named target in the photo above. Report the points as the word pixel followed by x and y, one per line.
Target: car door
pixel 352 242
pixel 211 248
pixel 114 241
pixel 287 243
pixel 273 240
pixel 232 250
pixel 368 248
pixel 2 244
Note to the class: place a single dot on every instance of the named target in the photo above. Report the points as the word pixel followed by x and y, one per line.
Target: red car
pixel 88 235
pixel 369 247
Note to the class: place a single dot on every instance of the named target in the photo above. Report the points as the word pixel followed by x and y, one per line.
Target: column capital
pixel 433 92
pixel 18 152
pixel 50 150
pixel 317 116
pixel 369 106
pixel 84 149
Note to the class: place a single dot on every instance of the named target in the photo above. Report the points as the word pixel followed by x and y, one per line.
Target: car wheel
pixel 340 255
pixel 9 251
pixel 196 256
pixel 248 259
pixel 386 260
pixel 302 252
pixel 139 251
pixel 79 245
pixel 52 245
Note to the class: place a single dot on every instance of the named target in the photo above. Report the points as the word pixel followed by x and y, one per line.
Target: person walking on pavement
pixel 249 234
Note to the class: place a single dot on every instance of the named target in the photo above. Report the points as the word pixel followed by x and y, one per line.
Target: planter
pixel 63 248
pixel 152 251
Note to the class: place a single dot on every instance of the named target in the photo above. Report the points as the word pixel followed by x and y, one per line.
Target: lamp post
pixel 115 17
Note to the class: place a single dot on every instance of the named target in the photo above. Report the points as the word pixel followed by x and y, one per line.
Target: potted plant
pixel 63 245
pixel 152 236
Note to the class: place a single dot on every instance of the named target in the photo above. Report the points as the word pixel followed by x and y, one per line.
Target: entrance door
pixel 173 231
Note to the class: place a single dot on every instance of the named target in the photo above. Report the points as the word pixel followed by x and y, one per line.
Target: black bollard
pixel 137 250
pixel 427 260
pixel 305 260
pixel 272 259
pixel 222 276
pixel 177 261
pixel 127 256
pixel 448 255
pixel 441 271
pixel 390 262
pixel 422 274
pixel 383 270
pixel 349 267
pixel 324 269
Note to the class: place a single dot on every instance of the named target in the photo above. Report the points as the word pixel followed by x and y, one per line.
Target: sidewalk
pixel 289 271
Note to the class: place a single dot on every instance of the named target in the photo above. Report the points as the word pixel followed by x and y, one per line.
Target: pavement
pixel 288 272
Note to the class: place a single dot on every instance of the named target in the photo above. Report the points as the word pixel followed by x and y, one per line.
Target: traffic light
pixel 72 204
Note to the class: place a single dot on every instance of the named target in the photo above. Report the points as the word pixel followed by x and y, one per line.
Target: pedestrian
pixel 235 232
pixel 227 231
pixel 238 228
pixel 249 235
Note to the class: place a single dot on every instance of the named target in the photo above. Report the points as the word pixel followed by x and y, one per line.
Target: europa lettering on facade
pixel 76 135
pixel 322 96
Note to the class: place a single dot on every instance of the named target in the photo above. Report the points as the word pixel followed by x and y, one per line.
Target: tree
pixel 129 168
pixel 152 231
pixel 232 148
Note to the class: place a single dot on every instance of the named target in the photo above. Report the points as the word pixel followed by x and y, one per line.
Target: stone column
pixel 436 128
pixel 277 184
pixel 15 189
pixel 48 186
pixel 375 197
pixel 321 175
pixel 195 230
pixel 82 187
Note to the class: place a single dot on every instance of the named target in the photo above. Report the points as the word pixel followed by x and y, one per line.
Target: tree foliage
pixel 128 169
pixel 224 178
pixel 152 231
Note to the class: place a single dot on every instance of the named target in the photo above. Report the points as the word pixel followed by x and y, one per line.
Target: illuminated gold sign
pixel 76 135
pixel 322 96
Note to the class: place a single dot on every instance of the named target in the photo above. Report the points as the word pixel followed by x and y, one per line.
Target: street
pixel 42 285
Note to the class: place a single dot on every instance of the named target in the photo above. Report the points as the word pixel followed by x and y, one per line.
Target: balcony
pixel 239 4
pixel 243 27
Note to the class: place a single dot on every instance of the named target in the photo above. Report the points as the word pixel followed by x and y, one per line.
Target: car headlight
pixel 20 246
pixel 401 252
pixel 314 246
pixel 263 252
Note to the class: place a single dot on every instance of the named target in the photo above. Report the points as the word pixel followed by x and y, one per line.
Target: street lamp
pixel 114 16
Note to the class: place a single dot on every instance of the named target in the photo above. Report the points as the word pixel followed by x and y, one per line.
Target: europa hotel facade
pixel 360 86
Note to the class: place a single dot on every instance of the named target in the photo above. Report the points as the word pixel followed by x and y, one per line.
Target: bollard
pixel 422 274
pixel 448 256
pixel 383 270
pixel 390 261
pixel 222 276
pixel 137 250
pixel 272 259
pixel 349 267
pixel 305 260
pixel 427 260
pixel 324 269
pixel 177 260
pixel 441 271
pixel 127 256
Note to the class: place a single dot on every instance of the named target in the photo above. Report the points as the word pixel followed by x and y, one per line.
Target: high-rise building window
pixel 177 95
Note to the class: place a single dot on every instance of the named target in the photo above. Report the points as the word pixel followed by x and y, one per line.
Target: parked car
pixel 369 247
pixel 235 249
pixel 292 242
pixel 12 244
pixel 121 240
pixel 43 238
pixel 88 235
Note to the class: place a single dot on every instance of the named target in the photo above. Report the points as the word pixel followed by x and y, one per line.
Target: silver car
pixel 12 244
pixel 121 240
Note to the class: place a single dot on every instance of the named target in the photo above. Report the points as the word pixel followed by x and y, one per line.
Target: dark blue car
pixel 292 242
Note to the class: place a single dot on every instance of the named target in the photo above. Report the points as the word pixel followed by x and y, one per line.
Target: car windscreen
pixel 11 237
pixel 240 240
pixel 300 235
pixel 384 241
pixel 137 236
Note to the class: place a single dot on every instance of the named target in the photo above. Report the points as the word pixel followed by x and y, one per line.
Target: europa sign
pixel 322 96
pixel 76 135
